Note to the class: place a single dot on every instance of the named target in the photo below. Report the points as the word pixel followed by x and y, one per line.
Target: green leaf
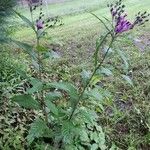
pixel 94 146
pixel 99 43
pixel 67 87
pixel 26 20
pixel 95 93
pixel 94 136
pixel 37 86
pixel 38 129
pixel 69 131
pixel 105 71
pixel 51 96
pixel 96 96
pixel 105 49
pixel 51 55
pixel 4 39
pixel 35 64
pixel 114 147
pixel 52 107
pixel 84 136
pixel 85 76
pixel 87 115
pixel 124 58
pixel 22 73
pixel 96 79
pixel 127 79
pixel 27 48
pixel 101 139
pixel 26 101
pixel 70 147
pixel 41 48
pixel 109 22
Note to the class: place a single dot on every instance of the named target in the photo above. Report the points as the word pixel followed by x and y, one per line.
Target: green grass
pixel 79 25
pixel 75 21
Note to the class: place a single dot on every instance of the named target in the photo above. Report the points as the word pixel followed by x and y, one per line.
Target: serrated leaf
pixel 37 86
pixel 51 96
pixel 84 136
pixel 85 76
pixel 95 93
pixel 127 79
pixel 94 146
pixel 94 136
pixel 87 115
pixel 38 129
pixel 101 139
pixel 26 101
pixel 96 79
pixel 52 107
pixel 99 106
pixel 67 87
pixel 69 130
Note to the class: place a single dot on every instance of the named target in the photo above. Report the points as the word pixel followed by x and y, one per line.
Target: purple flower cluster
pixel 123 24
pixel 47 23
pixel 119 17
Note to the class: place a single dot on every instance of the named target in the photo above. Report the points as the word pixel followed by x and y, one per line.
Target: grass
pixel 76 21
pixel 80 26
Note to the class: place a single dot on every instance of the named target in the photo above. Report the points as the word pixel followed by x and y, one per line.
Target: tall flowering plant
pixel 64 125
pixel 37 52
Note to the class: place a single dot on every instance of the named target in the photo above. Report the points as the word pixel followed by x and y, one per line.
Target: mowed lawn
pixel 76 15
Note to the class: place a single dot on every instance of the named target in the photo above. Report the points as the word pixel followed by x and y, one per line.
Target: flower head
pixel 122 25
pixel 119 17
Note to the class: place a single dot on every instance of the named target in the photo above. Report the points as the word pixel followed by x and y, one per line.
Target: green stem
pixel 87 84
pixel 98 47
pixel 41 98
pixel 31 12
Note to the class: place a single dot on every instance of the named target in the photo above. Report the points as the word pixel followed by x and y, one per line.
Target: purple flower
pixel 122 24
pixel 39 24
